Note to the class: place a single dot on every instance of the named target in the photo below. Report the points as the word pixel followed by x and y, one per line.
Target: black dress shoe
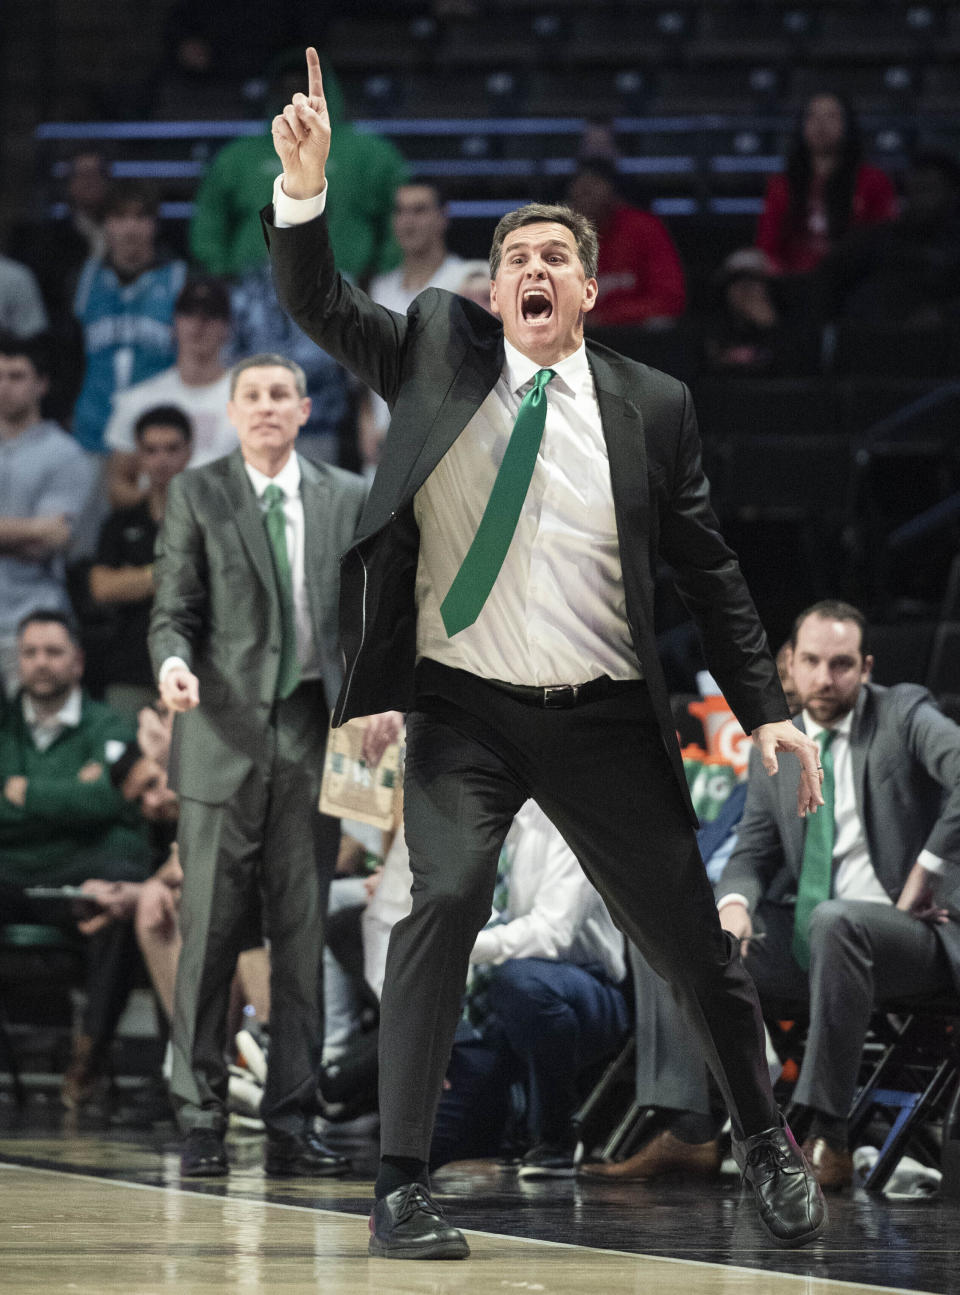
pixel 303 1156
pixel 203 1155
pixel 409 1224
pixel 790 1204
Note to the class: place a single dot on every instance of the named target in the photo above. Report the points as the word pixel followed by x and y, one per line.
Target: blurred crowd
pixel 114 358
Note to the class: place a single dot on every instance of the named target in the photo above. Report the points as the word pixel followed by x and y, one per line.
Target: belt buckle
pixel 560 696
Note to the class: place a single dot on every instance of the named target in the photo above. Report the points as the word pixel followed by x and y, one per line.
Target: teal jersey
pixel 128 336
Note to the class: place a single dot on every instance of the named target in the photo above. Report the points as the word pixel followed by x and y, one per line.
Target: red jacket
pixel 874 201
pixel 639 271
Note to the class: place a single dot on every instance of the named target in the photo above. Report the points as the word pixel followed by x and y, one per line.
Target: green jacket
pixel 364 171
pixel 66 827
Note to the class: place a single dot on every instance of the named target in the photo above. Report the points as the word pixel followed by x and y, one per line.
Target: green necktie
pixel 816 868
pixel 481 566
pixel 275 520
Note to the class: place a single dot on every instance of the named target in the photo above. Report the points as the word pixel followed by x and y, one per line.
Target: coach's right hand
pixel 301 136
pixel 180 689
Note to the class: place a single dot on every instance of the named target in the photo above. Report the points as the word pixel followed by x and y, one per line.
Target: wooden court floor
pixel 94 1208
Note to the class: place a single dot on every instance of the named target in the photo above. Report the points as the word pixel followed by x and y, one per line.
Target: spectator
pixel 639 274
pixel 56 248
pixel 825 191
pixel 260 325
pixel 544 1000
pixel 420 222
pixel 124 303
pixel 62 821
pixel 420 228
pixel 750 330
pixel 225 236
pixel 545 983
pixel 154 904
pixel 475 284
pixel 122 575
pixel 866 929
pixel 44 482
pixel 905 272
pixel 22 311
pixel 196 383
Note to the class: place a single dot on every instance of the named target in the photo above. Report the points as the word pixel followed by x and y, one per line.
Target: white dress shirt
pixel 853 874
pixel 552 909
pixel 557 612
pixel 288 479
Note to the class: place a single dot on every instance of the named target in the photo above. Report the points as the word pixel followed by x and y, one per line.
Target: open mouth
pixel 536 306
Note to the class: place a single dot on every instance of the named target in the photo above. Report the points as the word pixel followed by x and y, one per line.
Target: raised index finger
pixel 314 79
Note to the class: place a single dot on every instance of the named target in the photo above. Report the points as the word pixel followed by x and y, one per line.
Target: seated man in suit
pixel 837 912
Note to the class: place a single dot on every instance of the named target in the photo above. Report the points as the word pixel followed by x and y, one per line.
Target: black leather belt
pixel 561 696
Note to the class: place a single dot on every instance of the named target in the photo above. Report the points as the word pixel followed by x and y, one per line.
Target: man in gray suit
pixel 873 934
pixel 243 638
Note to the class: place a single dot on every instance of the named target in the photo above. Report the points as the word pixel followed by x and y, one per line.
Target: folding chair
pixel 920 1048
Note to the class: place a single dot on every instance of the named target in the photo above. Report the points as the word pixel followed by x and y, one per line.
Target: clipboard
pixel 350 788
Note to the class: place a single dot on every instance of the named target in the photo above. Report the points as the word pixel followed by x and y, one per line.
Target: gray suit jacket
pixel 216 606
pixel 906 768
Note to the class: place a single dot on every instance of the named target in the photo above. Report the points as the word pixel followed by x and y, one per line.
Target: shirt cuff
pixel 485 949
pixel 289 211
pixel 932 863
pixel 732 898
pixel 171 663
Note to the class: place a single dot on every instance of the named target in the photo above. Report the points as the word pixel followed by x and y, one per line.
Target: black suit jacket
pixel 434 367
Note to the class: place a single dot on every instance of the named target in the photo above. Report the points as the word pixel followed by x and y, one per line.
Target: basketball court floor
pixel 90 1207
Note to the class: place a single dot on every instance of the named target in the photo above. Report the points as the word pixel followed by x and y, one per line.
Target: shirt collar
pixel 288 478
pixel 519 369
pixel 841 729
pixel 68 716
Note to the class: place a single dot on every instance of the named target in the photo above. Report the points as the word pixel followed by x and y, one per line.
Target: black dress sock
pixel 397 1171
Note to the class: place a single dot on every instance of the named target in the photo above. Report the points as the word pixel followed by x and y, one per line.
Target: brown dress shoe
pixel 832 1169
pixel 663 1154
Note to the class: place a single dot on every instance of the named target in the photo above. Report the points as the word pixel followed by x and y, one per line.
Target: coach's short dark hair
pixel 535 213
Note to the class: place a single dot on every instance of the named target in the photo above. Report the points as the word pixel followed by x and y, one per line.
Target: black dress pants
pixel 601 773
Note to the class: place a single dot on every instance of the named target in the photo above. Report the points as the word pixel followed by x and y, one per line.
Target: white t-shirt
pixel 389 290
pixel 206 407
